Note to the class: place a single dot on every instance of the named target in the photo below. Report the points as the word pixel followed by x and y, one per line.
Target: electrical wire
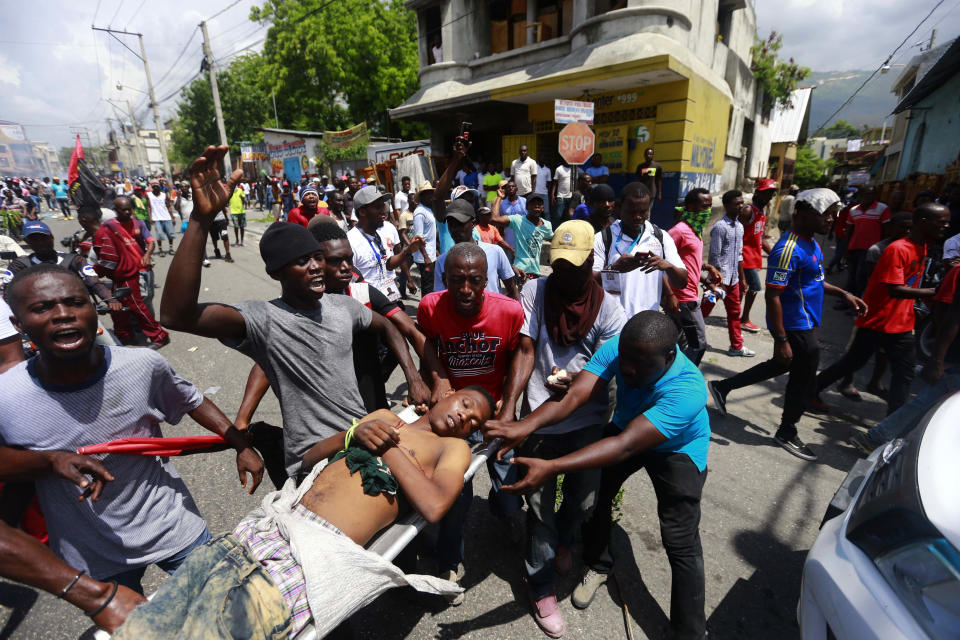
pixel 876 71
pixel 173 66
pixel 120 6
pixel 135 12
pixel 229 6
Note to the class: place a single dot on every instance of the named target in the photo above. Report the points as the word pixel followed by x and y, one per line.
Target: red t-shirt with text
pixel 900 263
pixel 867 225
pixel 753 239
pixel 477 350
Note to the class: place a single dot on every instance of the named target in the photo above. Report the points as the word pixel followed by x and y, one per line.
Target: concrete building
pixel 912 72
pixel 675 76
pixel 933 126
pixel 46 159
pixel 150 144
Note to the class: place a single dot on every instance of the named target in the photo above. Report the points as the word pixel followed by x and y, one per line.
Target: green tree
pixel 775 78
pixel 244 98
pixel 842 129
pixel 810 171
pixel 335 66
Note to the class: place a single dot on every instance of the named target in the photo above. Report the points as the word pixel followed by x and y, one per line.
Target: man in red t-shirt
pixel 864 229
pixel 755 239
pixel 840 233
pixel 123 247
pixel 891 291
pixel 476 336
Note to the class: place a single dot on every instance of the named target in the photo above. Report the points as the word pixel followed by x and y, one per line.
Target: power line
pixel 120 6
pixel 135 12
pixel 229 6
pixel 95 12
pixel 877 70
pixel 182 51
pixel 241 50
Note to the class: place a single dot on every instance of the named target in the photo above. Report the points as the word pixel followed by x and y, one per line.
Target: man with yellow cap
pixel 569 317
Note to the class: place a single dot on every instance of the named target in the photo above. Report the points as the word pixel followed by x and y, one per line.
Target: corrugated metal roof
pixel 785 124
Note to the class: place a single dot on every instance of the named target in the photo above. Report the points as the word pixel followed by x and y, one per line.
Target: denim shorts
pixel 221 592
pixel 753 280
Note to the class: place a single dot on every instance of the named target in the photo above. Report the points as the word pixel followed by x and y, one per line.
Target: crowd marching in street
pixel 588 370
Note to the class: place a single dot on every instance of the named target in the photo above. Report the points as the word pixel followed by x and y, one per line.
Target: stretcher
pixel 391 541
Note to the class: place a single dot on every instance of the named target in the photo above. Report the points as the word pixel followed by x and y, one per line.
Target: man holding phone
pixel 632 256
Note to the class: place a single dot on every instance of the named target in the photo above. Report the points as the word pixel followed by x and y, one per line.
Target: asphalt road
pixel 760 512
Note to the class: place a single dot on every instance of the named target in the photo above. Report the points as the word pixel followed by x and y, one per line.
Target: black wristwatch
pixel 781 339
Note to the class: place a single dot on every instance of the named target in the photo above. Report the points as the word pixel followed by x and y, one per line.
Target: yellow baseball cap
pixel 573 242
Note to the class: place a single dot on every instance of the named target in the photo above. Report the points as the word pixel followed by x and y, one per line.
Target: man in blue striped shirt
pixel 794 296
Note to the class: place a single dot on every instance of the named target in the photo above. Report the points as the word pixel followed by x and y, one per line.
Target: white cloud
pixel 9 72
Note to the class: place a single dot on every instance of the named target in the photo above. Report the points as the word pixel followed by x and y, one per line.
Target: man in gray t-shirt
pixel 302 340
pixel 75 393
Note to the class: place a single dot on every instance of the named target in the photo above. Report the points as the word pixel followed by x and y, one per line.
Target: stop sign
pixel 576 143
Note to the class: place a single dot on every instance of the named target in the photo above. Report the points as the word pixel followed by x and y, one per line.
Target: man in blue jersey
pixel 661 425
pixel 794 296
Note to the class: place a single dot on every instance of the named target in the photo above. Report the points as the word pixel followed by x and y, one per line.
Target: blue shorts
pixel 753 280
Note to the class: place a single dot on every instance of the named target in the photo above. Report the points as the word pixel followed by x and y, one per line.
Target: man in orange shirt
pixel 889 321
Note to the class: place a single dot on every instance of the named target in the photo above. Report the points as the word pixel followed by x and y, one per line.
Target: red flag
pixel 72 172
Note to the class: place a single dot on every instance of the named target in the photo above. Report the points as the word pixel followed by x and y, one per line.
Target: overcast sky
pixel 56 73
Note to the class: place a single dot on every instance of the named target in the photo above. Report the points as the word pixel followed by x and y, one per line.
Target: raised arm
pixel 179 307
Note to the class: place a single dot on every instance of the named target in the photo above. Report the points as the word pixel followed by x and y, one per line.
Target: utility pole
pixel 153 98
pixel 208 61
pixel 139 155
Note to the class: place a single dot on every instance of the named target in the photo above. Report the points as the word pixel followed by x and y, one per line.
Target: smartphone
pixel 465 130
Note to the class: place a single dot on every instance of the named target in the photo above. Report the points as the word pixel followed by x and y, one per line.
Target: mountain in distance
pixel 870 107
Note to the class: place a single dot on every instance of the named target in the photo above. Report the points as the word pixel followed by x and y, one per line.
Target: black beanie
pixel 284 242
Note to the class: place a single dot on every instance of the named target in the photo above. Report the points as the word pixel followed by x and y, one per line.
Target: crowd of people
pixel 590 372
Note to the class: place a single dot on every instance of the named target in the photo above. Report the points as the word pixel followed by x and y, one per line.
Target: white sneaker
pixel 742 352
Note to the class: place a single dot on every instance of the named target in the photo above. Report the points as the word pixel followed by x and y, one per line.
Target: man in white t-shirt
pixel 560 194
pixel 402 200
pixel 544 182
pixel 524 171
pixel 632 256
pixel 376 243
pixel 158 207
pixel 425 227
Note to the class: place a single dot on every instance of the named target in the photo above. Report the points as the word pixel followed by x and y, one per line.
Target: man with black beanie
pixel 302 340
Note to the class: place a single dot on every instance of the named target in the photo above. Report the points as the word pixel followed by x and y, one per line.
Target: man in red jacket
pixel 124 247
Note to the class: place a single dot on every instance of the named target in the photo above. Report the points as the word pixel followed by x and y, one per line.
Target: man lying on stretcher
pixel 298 559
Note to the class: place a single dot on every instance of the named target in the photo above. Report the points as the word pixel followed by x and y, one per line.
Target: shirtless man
pixel 259 566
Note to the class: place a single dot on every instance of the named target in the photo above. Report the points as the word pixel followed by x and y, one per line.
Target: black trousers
pixel 900 349
pixel 426 277
pixel 678 484
pixel 855 260
pixel 800 386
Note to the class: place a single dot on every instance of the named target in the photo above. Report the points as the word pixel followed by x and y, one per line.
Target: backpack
pixel 607 237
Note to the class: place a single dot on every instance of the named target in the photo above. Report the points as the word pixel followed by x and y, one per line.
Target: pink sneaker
pixel 749 327
pixel 547 615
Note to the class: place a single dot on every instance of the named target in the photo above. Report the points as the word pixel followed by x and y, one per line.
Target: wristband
pixel 349 436
pixel 106 602
pixel 781 339
pixel 76 578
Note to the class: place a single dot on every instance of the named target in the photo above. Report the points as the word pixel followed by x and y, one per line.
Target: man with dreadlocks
pixel 683 304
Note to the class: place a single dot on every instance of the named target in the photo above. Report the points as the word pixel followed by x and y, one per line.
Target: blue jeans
pixel 163 228
pixel 449 550
pixel 221 592
pixel 900 422
pixel 131 577
pixel 547 528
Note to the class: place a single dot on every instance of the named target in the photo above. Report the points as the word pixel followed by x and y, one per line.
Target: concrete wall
pixel 932 133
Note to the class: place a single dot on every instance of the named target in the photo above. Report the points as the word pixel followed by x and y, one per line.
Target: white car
pixel 886 564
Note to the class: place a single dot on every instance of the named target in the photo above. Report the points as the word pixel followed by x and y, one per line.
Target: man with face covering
pixel 569 317
pixel 661 425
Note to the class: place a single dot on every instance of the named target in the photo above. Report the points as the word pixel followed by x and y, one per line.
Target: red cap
pixel 764 184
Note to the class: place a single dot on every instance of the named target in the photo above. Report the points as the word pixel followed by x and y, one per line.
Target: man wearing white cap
pixel 376 243
pixel 794 297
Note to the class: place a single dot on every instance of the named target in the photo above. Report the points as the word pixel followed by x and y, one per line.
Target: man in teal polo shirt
pixel 529 232
pixel 660 424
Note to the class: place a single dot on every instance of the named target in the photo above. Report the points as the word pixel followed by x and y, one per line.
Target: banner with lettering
pixel 348 137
